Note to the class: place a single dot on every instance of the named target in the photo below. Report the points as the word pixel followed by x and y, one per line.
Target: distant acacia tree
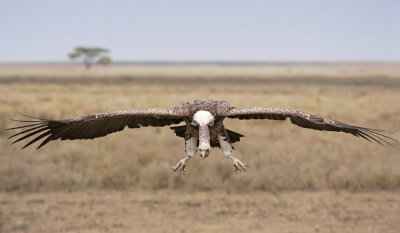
pixel 90 56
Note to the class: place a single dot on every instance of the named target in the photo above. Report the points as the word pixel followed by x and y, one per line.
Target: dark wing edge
pixel 91 126
pixel 310 121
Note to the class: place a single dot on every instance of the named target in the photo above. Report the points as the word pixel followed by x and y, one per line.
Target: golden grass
pixel 282 156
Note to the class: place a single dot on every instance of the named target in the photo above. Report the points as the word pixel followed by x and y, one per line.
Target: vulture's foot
pixel 238 165
pixel 181 164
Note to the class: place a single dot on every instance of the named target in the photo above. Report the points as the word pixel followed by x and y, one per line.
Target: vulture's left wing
pixel 307 120
pixel 93 126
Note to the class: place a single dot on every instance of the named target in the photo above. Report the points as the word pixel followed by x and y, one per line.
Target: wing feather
pixel 24 126
pixel 93 126
pixel 37 138
pixel 310 121
pixel 25 131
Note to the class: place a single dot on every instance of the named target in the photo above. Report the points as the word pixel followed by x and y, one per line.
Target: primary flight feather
pixel 203 126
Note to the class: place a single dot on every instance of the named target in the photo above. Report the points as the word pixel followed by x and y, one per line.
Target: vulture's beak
pixel 204 153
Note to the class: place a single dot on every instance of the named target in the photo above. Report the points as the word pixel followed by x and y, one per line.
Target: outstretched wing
pixel 307 120
pixel 93 126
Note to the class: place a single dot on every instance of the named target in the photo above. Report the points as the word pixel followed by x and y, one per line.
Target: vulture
pixel 202 126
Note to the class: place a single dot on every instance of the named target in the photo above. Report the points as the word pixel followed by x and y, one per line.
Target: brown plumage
pixel 93 126
pixel 205 115
pixel 99 125
pixel 310 121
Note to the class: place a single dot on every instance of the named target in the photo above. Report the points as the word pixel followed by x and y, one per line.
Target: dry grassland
pixel 211 212
pixel 205 70
pixel 282 156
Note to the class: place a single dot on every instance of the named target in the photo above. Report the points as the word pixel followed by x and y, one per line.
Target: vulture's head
pixel 203 119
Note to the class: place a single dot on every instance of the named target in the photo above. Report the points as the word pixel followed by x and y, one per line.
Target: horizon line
pixel 205 62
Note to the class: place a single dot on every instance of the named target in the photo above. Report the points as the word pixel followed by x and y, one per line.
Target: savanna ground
pixel 299 181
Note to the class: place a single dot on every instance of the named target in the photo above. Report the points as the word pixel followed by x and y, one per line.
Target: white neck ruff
pixel 203 117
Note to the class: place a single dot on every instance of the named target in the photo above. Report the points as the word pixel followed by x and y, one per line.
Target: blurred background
pixel 339 59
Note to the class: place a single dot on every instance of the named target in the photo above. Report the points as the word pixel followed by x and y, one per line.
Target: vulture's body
pixel 203 126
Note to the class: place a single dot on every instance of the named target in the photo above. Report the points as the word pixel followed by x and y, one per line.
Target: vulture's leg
pixel 227 150
pixel 190 150
pixel 181 164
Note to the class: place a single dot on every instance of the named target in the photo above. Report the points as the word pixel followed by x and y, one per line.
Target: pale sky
pixel 206 30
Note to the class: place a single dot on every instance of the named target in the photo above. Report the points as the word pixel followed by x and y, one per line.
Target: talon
pixel 238 165
pixel 176 167
pixel 181 164
pixel 236 168
pixel 245 166
pixel 183 168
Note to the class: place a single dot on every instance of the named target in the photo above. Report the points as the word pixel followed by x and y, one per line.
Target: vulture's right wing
pixel 93 126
